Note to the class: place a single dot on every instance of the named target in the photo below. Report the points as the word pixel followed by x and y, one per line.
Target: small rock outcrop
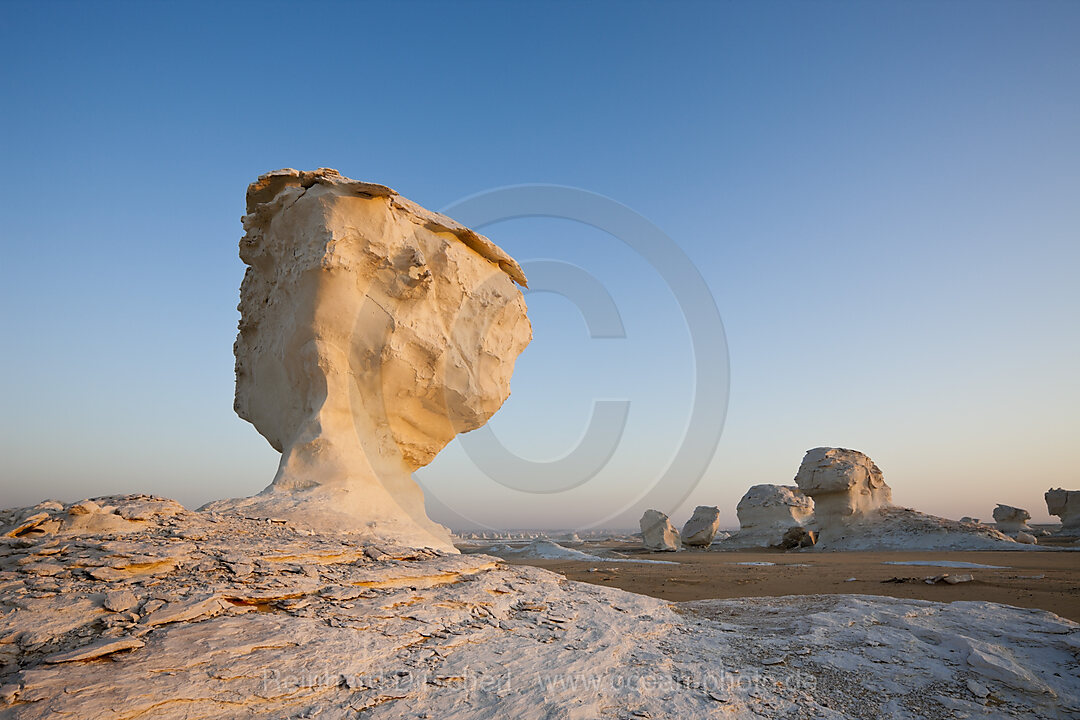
pixel 1066 505
pixel 798 537
pixel 701 528
pixel 372 332
pixel 766 513
pixel 842 483
pixel 657 532
pixel 1011 519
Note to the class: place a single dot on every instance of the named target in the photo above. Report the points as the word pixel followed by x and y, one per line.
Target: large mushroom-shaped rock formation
pixel 701 528
pixel 372 331
pixel 766 513
pixel 657 532
pixel 842 483
pixel 853 510
pixel 1011 519
pixel 1066 505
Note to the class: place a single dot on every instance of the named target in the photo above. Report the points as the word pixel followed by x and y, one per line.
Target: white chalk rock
pixel 1026 538
pixel 657 532
pixel 853 510
pixel 1066 505
pixel 842 482
pixel 1011 519
pixel 372 332
pixel 766 513
pixel 701 528
pixel 332 627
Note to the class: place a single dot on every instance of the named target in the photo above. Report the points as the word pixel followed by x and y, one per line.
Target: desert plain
pixel 1039 580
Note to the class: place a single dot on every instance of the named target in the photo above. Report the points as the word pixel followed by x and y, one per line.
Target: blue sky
pixel 883 199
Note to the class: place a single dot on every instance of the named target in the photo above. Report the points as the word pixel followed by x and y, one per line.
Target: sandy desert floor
pixel 1043 580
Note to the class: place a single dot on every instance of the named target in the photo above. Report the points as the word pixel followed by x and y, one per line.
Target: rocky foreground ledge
pixel 133 607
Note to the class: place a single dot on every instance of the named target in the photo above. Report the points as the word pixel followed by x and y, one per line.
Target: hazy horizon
pixel 881 198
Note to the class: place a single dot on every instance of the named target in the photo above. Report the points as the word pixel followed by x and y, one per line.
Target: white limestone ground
pixel 173 614
pixel 946 563
pixel 548 550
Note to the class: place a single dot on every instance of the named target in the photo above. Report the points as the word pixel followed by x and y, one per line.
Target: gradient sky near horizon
pixel 884 199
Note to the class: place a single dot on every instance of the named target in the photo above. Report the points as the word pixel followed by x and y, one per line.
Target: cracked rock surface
pixel 178 614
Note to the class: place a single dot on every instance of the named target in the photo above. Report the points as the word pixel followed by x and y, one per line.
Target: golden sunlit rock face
pixel 372 331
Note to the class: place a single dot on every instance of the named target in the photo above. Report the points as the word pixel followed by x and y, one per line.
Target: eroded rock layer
pixel 173 615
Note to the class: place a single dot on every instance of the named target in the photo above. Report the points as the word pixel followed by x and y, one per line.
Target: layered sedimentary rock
pixel 200 615
pixel 853 510
pixel 766 513
pixel 372 331
pixel 701 528
pixel 1066 505
pixel 657 532
pixel 1011 519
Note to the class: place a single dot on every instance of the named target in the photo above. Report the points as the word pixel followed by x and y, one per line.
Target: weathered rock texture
pixel 842 482
pixel 1066 505
pixel 766 513
pixel 1026 538
pixel 701 528
pixel 240 618
pixel 657 532
pixel 853 510
pixel 1011 519
pixel 372 331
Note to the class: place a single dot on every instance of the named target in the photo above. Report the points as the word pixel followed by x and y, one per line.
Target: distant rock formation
pixel 853 510
pixel 842 483
pixel 372 331
pixel 1066 505
pixel 1011 519
pixel 701 528
pixel 766 513
pixel 657 532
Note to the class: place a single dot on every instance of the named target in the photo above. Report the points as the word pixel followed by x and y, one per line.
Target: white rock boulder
pixel 766 513
pixel 372 331
pixel 657 532
pixel 842 482
pixel 1011 519
pixel 853 510
pixel 1066 505
pixel 701 528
